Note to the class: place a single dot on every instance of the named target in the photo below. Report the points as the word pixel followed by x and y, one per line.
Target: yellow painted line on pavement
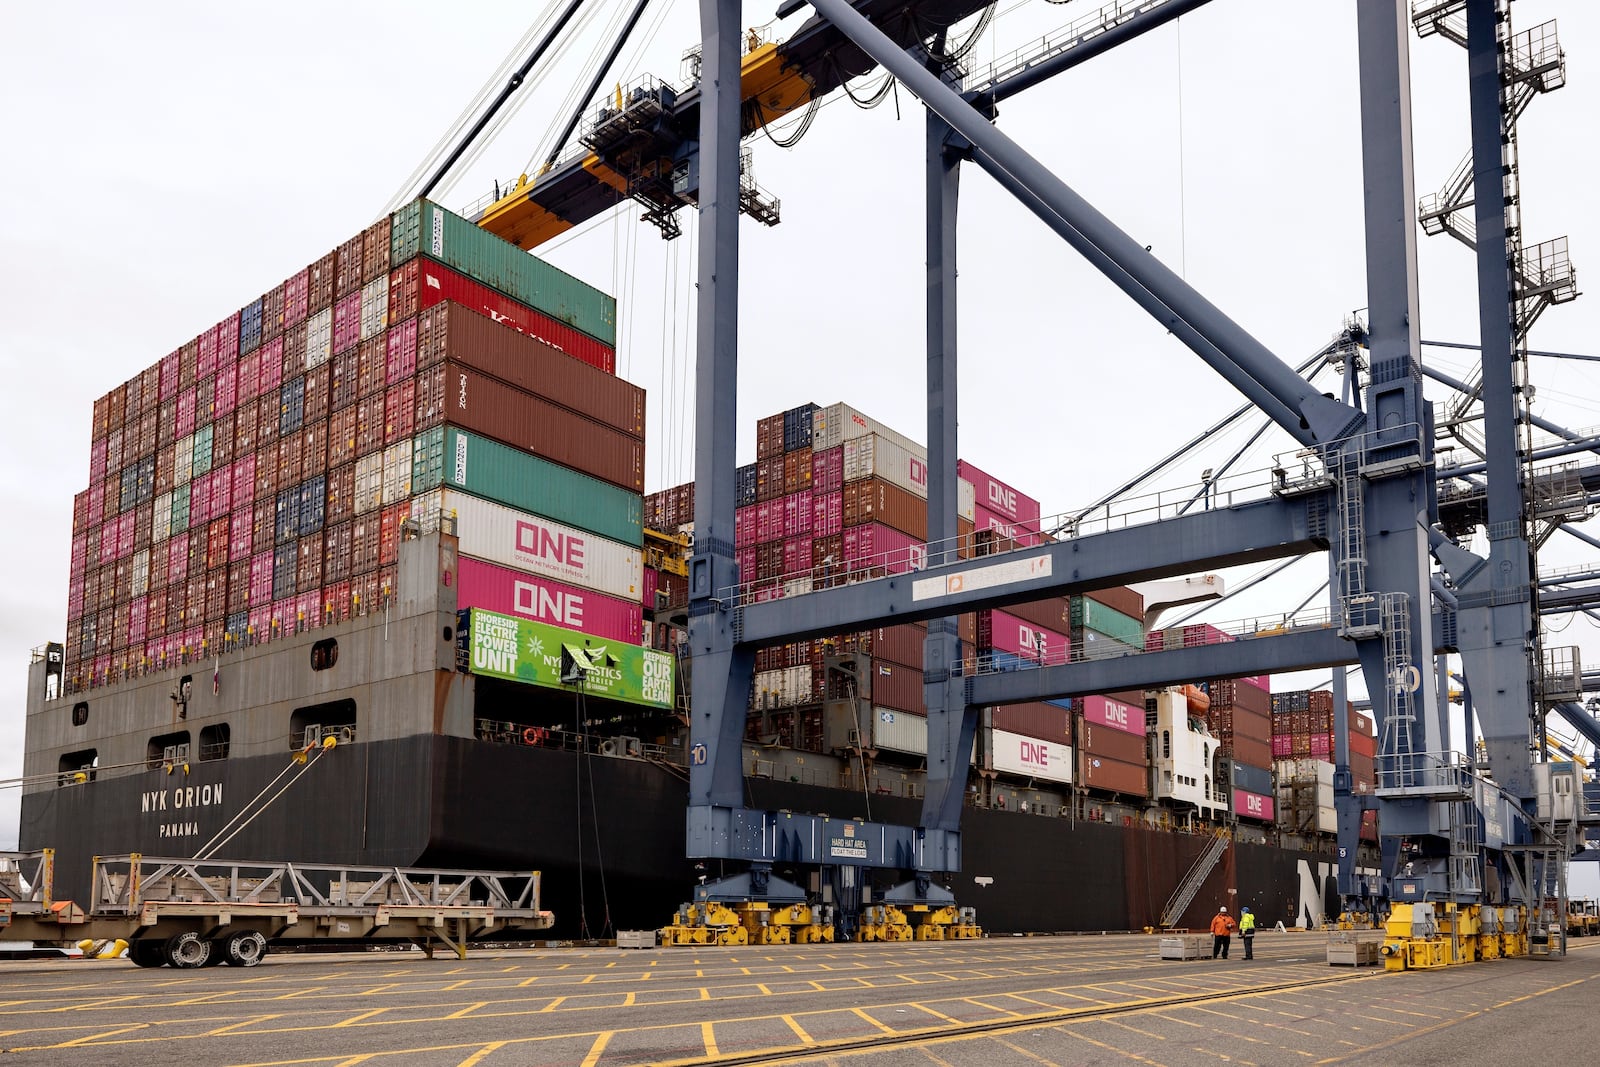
pixel 799 1030
pixel 380 989
pixel 708 1035
pixel 1019 1050
pixel 885 1027
pixel 526 982
pixel 939 1014
pixel 1110 1048
pixel 204 998
pixel 482 1053
pixel 554 1004
pixel 234 1026
pixel 1135 1029
pixel 597 1049
pixel 359 1018
pixel 300 992
pixel 88 1038
pixel 468 1010
pixel 353 1060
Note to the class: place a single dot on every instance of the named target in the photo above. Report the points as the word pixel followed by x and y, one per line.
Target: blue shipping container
pixel 250 328
pixel 292 405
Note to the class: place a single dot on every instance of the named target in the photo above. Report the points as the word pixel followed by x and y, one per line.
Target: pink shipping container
pixel 827 470
pixel 308 606
pixel 169 376
pixel 221 491
pixel 296 296
pixel 997 497
pixel 125 526
pixel 797 516
pixel 270 375
pixel 1103 711
pixel 797 555
pixel 227 390
pixel 260 620
pixel 244 480
pixel 346 322
pixel 827 514
pixel 185 413
pixel 208 352
pixel 177 557
pixel 744 525
pixel 1282 746
pixel 1197 634
pixel 747 563
pixel 261 578
pixel 1023 533
pixel 484 585
pixel 878 549
pixel 94 513
pixel 1322 744
pixel 227 332
pixel 137 614
pixel 764 524
pixel 1253 806
pixel 200 500
pixel 647 590
pixel 1007 633
pixel 241 535
pixel 97 460
pixel 1258 681
pixel 248 382
pixel 400 352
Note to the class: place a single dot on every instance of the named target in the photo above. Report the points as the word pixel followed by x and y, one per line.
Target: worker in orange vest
pixel 1221 932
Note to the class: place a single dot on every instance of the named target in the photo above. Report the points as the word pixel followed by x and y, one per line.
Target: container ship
pixel 364 573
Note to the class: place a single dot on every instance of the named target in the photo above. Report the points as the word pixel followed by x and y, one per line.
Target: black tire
pixel 187 950
pixel 244 949
pixel 147 953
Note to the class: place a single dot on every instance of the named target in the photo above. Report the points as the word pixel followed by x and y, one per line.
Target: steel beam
pixel 1207 540
pixel 1292 401
pixel 1135 26
pixel 1497 635
pixel 723 670
pixel 1309 649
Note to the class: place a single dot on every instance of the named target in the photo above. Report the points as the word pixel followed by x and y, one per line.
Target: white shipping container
pixel 899 731
pixel 375 307
pixel 319 338
pixel 161 522
pixel 1293 770
pixel 837 423
pixel 872 455
pixel 1030 757
pixel 396 473
pixel 785 687
pixel 369 484
pixel 183 461
pixel 531 543
pixel 966 500
pixel 141 572
pixel 1327 819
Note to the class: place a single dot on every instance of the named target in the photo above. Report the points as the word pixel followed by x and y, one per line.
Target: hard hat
pixel 1245 910
pixel 1223 909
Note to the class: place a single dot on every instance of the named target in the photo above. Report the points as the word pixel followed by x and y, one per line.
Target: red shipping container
pixel 296 290
pixel 308 571
pixel 364 545
pixel 241 535
pixel 400 352
pixel 509 592
pixel 389 531
pixel 336 601
pixel 370 368
pixel 97 459
pixel 743 524
pixel 266 474
pixel 217 543
pixel 476 402
pixel 399 411
pixel 336 553
pixel 422 283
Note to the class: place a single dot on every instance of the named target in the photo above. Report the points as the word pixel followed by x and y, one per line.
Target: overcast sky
pixel 169 162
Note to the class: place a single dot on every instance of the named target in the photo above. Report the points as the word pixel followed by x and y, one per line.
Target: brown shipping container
pixel 336 553
pixel 375 250
pixel 164 471
pixel 272 314
pixel 477 341
pixel 898 687
pixel 1113 744
pixel 314 449
pixel 238 586
pixel 268 418
pixel 369 421
pixel 167 423
pixel 188 364
pixel 293 359
pixel 342 436
pixel 875 500
pixel 1255 753
pixel 1113 776
pixel 316 394
pixel 769 478
pixel 245 421
pixel 222 441
pixel 891 644
pixel 479 403
pixel 321 282
pixel 348 273
pixel 769 436
pixel 1120 599
pixel 1034 720
pixel 132 398
pixel 344 378
pixel 371 367
pixel 308 572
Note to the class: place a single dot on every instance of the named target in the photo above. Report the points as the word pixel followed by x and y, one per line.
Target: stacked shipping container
pixel 255 480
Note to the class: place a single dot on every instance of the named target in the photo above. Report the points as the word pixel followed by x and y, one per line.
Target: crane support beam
pixel 1098 40
pixel 1581 720
pixel 1207 540
pixel 1246 363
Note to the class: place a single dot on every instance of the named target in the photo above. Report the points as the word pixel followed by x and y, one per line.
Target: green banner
pixel 519 650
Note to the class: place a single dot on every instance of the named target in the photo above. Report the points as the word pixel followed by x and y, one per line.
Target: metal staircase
pixel 1184 895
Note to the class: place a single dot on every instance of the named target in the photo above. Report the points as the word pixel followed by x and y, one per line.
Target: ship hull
pixel 607 833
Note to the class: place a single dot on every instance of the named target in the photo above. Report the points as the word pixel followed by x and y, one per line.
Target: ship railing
pixel 504 732
pixel 125 884
pixel 1221 491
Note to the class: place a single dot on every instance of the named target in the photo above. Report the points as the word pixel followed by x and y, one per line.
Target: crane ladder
pixel 1185 893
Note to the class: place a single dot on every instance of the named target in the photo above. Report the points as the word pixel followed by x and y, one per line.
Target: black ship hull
pixel 608 835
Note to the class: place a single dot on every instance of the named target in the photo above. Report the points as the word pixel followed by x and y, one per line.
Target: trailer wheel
pixel 187 950
pixel 147 953
pixel 244 949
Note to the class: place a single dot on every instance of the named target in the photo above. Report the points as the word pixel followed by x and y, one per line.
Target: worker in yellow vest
pixel 1247 932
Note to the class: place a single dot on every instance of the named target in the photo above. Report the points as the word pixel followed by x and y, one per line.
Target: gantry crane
pixel 1467 858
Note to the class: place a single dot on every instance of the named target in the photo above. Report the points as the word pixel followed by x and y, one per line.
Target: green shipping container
pixel 1092 615
pixel 202 450
pixel 422 226
pixel 180 508
pixel 456 459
